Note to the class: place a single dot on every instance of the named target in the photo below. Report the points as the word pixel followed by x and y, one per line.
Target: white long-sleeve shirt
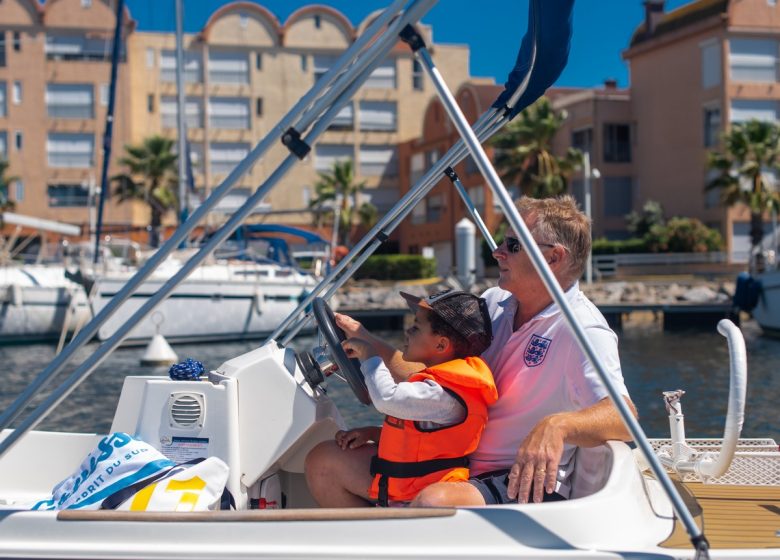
pixel 423 400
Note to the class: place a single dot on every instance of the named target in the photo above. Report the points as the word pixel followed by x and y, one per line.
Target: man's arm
pixel 540 453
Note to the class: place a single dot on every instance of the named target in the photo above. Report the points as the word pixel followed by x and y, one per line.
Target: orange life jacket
pixel 411 458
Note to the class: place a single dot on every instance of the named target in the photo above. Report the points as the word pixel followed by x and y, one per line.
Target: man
pixel 550 397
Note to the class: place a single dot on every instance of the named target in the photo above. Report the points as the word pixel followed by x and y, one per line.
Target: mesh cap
pixel 464 312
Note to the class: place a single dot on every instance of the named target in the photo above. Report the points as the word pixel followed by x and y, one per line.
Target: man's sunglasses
pixel 513 244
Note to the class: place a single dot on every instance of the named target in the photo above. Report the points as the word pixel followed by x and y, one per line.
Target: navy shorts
pixel 493 487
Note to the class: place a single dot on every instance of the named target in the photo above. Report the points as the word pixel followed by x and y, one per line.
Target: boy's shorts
pixel 493 486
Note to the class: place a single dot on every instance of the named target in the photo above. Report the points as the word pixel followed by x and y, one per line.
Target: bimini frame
pixel 541 59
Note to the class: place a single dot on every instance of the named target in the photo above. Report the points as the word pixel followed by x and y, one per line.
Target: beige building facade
pixel 242 71
pixel 55 66
pixel 695 71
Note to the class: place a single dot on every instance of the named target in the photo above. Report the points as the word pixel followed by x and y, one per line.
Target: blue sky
pixel 492 29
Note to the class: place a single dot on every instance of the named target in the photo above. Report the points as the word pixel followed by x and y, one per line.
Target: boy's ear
pixel 442 344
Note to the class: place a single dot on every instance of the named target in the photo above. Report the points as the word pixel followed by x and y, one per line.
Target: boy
pixel 433 419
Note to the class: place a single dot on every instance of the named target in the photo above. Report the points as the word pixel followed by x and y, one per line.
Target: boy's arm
pixel 399 368
pixel 418 400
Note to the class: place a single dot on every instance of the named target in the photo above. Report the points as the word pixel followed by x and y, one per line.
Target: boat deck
pixel 732 516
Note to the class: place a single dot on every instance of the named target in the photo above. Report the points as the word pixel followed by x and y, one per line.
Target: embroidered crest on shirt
pixel 536 350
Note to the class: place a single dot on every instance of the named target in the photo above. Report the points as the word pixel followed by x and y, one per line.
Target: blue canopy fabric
pixel 550 28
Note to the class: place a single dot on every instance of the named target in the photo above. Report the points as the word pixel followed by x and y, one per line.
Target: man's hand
pixel 352 439
pixel 537 461
pixel 358 348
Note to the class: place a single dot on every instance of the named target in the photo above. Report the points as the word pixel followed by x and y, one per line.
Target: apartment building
pixel 432 222
pixel 695 71
pixel 55 62
pixel 244 70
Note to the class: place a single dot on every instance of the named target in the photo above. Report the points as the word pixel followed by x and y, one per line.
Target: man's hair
pixel 461 347
pixel 560 221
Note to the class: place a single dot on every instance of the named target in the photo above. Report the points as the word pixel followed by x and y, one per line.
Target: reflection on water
pixel 653 362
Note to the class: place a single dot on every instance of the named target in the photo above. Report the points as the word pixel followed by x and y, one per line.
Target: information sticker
pixel 183 449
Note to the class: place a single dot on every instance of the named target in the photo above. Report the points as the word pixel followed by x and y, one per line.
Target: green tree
pixel 152 178
pixel 339 187
pixel 746 172
pixel 639 223
pixel 683 235
pixel 6 204
pixel 524 152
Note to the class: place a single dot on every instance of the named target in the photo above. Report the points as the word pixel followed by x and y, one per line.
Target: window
pixel 325 155
pixel 192 67
pixel 753 60
pixel 70 150
pixel 378 115
pixel 18 140
pixel 582 140
pixel 224 156
pixel 3 144
pixel 418 213
pixel 743 110
pixel 228 67
pixel 16 93
pixel 378 161
pixel 104 92
pixel 304 63
pixel 196 156
pixel 229 112
pixel 710 64
pixel 149 57
pixel 2 48
pixel 258 61
pixel 3 104
pixel 344 119
pixel 259 107
pixel 417 168
pixel 434 208
pixel 318 21
pixel 86 3
pixel 68 195
pixel 617 143
pixel 243 20
pixel 417 75
pixel 711 126
pixel 17 41
pixel 150 103
pixel 322 63
pixel 383 76
pixel 69 101
pixel 618 196
pixel 477 196
pixel 19 190
pixel 169 112
pixel 79 47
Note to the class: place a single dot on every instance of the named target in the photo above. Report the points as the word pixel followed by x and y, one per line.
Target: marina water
pixel 653 361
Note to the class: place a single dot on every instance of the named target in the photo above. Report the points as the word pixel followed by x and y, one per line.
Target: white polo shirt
pixel 540 370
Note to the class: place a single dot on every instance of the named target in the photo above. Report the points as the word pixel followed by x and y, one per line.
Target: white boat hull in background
pixel 217 302
pixel 767 310
pixel 37 302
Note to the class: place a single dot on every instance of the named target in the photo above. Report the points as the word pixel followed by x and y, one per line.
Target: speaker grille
pixel 186 409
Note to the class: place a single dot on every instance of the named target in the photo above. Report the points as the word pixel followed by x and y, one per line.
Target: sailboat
pixel 261 412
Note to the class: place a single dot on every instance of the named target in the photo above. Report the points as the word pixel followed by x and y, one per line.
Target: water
pixel 653 361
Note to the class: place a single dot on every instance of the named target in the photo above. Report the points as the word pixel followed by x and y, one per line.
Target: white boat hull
pixel 767 311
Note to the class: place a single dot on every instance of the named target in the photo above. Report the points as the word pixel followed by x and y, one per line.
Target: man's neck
pixel 531 304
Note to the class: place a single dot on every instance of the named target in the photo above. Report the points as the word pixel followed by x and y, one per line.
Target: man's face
pixel 516 272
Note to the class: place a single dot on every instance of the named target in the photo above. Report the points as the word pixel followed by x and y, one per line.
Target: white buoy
pixel 158 352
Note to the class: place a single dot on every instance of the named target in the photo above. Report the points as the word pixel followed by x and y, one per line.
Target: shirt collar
pixel 553 308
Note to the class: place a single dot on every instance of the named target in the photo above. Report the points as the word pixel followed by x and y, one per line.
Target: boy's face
pixel 421 344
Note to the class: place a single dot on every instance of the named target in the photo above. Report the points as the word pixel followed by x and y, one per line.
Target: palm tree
pixel 152 178
pixel 338 185
pixel 6 204
pixel 747 169
pixel 524 152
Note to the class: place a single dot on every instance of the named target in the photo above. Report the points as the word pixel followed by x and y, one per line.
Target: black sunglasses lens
pixel 513 244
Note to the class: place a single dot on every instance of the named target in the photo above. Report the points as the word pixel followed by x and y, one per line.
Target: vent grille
pixel 186 409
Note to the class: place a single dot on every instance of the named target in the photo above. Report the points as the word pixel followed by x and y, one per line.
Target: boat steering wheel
pixel 349 367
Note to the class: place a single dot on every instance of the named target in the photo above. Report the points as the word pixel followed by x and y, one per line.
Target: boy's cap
pixel 464 312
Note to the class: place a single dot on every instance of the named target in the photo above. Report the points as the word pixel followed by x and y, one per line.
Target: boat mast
pixel 184 209
pixel 120 8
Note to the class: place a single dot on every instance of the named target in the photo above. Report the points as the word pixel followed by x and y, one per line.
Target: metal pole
pixel 556 292
pixel 588 213
pixel 120 8
pixel 180 117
